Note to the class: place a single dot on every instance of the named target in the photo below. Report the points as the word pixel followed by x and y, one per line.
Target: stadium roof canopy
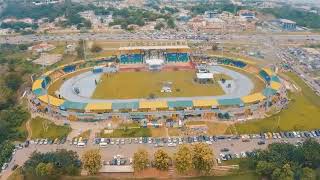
pixel 269 92
pixel 275 78
pixel 268 71
pixel 39 92
pixel 180 104
pixel 129 48
pixel 37 84
pixel 205 103
pixel 74 105
pixel 125 105
pixel 52 100
pixel 230 102
pixel 98 106
pixel 275 85
pixel 153 104
pixel 253 98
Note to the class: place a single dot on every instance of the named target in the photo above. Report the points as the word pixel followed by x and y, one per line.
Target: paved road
pixel 127 150
pixel 241 86
pixel 165 36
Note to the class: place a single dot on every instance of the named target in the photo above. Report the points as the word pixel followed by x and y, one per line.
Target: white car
pixel 209 142
pixel 5 166
pixel 172 144
pixel 174 140
pixel 243 154
pixel 14 152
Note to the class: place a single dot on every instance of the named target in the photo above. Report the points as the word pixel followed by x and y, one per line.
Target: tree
pixel 159 26
pixel 171 23
pixel 161 160
pixel 61 162
pixel 264 168
pixel 96 48
pixel 44 169
pixel 41 169
pixel 183 159
pixel 286 173
pixel 13 81
pixel 311 152
pixel 91 160
pixel 80 49
pixel 307 174
pixel 140 160
pixel 276 174
pixel 202 158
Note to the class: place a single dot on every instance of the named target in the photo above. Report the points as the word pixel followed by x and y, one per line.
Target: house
pixel 42 47
pixel 287 24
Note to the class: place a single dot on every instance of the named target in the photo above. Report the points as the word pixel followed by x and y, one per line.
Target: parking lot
pixel 224 147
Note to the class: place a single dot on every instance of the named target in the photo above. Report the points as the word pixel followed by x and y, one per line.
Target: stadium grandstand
pixel 141 108
pixel 168 52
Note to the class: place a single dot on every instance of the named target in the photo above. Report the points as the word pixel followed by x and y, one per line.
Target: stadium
pixel 150 81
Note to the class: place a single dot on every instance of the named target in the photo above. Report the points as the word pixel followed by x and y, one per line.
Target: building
pixel 247 14
pixel 211 14
pixel 42 47
pixel 288 25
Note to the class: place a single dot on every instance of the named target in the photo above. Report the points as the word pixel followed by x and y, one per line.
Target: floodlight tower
pixel 46 85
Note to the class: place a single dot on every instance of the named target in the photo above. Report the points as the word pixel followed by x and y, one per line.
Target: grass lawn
pixel 127 133
pixel 53 131
pixel 141 84
pixel 244 176
pixel 214 128
pixel 158 132
pixel 175 132
pixel 58 50
pixel 302 114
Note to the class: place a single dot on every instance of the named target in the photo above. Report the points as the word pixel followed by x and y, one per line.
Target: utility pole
pixel 84 50
pixel 46 85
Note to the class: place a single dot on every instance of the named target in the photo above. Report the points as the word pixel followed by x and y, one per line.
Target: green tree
pixel 64 162
pixel 41 169
pixel 13 81
pixel 311 152
pixel 276 174
pixel 140 160
pixel 159 26
pixel 91 160
pixel 202 158
pixel 183 159
pixel 264 168
pixel 170 23
pixel 161 160
pixel 307 174
pixel 80 49
pixel 50 169
pixel 286 173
